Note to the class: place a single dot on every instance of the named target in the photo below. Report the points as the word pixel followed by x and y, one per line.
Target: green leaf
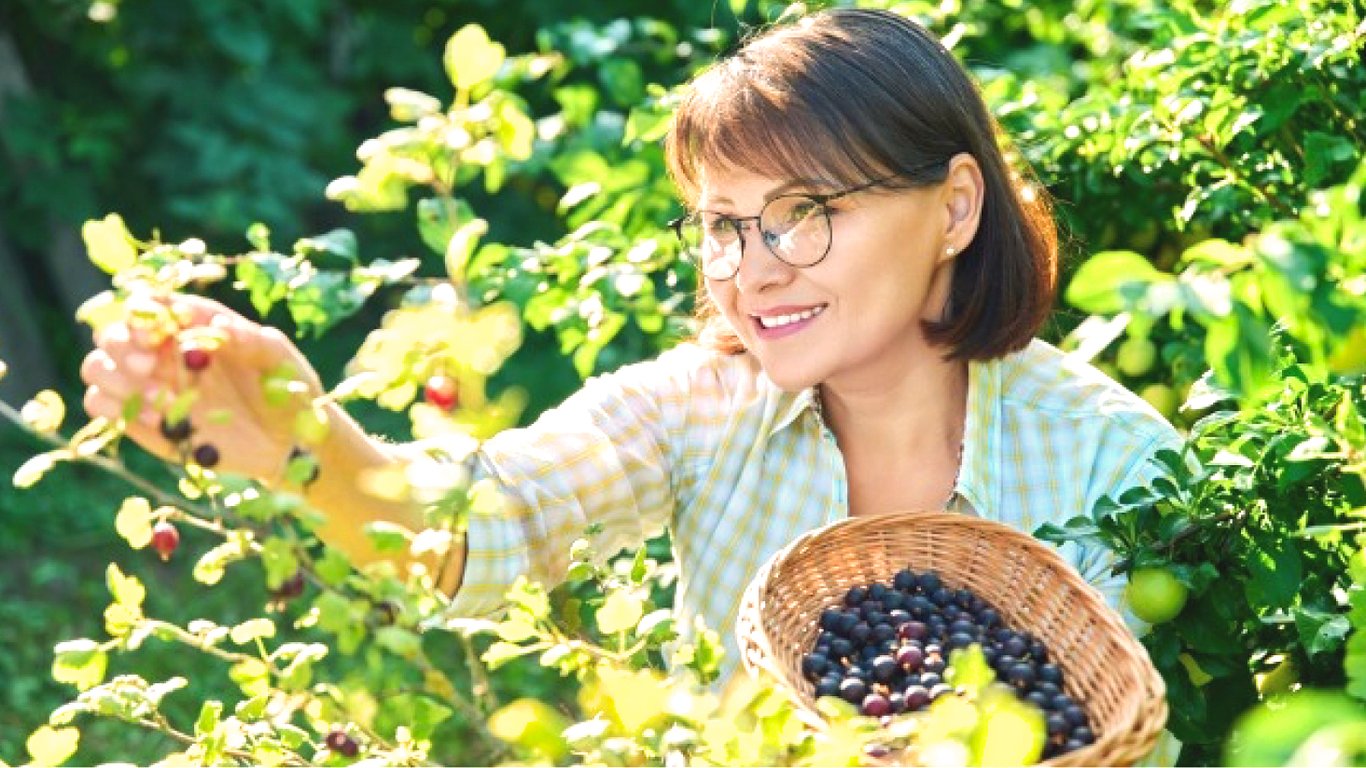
pixel 1110 281
pixel 80 663
pixel 1276 572
pixel 338 243
pixel 1271 735
pixel 471 57
pixel 620 612
pixel 1320 631
pixel 439 218
pixel 387 537
pixel 968 668
pixel 1324 154
pixel 52 746
pixel 209 715
pixel 109 243
pixel 623 80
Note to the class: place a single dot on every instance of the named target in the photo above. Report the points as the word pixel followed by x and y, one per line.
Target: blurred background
pixel 199 119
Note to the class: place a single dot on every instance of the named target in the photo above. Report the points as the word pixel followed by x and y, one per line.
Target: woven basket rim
pixel 1142 711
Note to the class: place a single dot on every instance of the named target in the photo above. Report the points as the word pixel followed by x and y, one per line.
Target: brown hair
pixel 853 95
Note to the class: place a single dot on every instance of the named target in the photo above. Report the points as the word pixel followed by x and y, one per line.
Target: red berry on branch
pixel 196 358
pixel 165 539
pixel 442 392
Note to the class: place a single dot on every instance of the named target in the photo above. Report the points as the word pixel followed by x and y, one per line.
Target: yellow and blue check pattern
pixel 705 445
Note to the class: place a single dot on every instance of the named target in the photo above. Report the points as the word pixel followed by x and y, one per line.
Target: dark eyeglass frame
pixel 740 224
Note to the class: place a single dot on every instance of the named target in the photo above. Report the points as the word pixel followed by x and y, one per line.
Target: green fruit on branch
pixel 1136 356
pixel 1155 595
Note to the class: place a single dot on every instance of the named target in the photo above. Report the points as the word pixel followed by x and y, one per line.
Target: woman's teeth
pixel 777 321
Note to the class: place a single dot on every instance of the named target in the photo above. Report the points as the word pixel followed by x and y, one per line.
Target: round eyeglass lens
pixel 796 229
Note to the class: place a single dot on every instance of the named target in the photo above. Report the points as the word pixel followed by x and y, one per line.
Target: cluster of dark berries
pixel 886 647
pixel 179 431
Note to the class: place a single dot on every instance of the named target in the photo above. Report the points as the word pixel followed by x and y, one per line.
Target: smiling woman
pixel 876 276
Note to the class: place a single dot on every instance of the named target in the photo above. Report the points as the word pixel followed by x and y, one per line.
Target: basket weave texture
pixel 1104 667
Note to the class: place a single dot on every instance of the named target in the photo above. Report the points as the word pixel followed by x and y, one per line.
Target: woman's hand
pixel 247 384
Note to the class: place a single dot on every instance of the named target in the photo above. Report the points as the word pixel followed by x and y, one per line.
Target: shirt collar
pixel 790 406
pixel 977 481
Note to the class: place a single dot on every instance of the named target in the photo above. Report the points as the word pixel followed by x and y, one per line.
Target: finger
pixel 260 346
pixel 101 402
pixel 127 350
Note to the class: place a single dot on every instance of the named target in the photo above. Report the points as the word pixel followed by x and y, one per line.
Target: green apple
pixel 1162 397
pixel 1155 595
pixel 1136 356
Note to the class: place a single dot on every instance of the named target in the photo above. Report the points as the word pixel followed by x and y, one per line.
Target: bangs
pixel 736 116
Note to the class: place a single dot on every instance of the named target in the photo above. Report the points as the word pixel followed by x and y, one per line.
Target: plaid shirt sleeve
pixel 604 458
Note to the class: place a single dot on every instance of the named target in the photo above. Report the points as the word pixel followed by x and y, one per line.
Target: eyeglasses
pixel 795 228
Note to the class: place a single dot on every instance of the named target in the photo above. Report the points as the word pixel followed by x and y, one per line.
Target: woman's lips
pixel 785 322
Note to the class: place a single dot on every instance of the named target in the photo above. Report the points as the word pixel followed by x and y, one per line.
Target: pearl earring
pixel 950 251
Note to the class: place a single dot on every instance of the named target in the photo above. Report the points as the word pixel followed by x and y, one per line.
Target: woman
pixel 874 279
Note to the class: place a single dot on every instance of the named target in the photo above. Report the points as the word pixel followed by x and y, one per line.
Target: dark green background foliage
pixel 1156 125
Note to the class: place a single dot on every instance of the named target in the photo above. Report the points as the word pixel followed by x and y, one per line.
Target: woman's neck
pixel 922 412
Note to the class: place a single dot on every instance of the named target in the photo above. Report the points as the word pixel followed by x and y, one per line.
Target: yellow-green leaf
pixel 44 413
pixel 134 521
pixel 127 590
pixel 52 746
pixel 80 663
pixel 620 612
pixel 251 629
pixel 471 57
pixel 461 247
pixel 31 471
pixel 109 243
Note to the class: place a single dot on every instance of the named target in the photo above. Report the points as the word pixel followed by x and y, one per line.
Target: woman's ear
pixel 963 192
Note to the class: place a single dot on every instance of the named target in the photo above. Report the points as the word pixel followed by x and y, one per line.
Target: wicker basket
pixel 1104 667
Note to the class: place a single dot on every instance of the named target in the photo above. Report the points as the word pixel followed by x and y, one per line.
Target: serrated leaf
pixel 134 521
pixel 109 244
pixel 52 746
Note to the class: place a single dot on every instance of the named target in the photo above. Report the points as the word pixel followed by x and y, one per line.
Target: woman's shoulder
pixel 690 367
pixel 1044 380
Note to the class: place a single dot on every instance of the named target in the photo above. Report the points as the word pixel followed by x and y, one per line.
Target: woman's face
pixel 853 319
